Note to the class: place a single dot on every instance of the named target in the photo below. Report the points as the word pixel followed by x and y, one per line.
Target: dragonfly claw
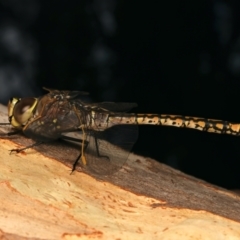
pixel 14 150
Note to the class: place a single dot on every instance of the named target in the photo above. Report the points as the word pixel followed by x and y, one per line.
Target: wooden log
pixel 144 200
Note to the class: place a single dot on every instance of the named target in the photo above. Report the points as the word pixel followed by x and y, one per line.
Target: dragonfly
pixel 107 131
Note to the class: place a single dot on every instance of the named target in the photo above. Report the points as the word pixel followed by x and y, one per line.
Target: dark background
pixel 177 57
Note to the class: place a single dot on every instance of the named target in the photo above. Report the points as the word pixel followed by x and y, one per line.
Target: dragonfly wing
pixel 107 151
pixel 104 106
pixel 115 107
pixel 68 94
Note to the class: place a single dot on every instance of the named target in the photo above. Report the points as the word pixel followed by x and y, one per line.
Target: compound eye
pixel 11 105
pixel 22 111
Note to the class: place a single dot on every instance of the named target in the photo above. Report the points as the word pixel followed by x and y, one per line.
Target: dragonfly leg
pixel 97 149
pixel 83 158
pixel 18 150
pixel 75 163
pixel 13 133
pixel 10 133
pixel 84 145
pixel 80 156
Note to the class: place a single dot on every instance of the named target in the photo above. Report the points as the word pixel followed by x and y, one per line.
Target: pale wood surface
pixel 144 200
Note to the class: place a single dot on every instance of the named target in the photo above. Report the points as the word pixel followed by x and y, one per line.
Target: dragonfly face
pixel 20 111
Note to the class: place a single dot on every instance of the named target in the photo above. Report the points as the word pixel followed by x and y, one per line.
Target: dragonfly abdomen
pixel 202 124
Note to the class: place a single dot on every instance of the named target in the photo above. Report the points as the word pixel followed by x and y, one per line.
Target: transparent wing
pixel 116 107
pixel 108 150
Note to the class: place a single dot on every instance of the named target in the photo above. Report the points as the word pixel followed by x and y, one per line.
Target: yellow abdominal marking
pixel 202 124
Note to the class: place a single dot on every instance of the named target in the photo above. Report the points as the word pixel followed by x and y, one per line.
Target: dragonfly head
pixel 20 110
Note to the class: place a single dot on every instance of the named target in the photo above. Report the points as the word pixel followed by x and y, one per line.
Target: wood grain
pixel 144 200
